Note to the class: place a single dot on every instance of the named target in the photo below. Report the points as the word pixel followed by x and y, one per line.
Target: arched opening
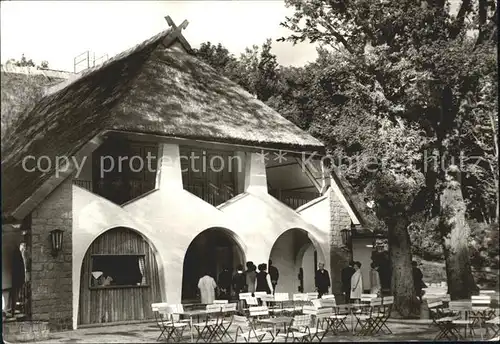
pixel 296 257
pixel 119 278
pixel 210 251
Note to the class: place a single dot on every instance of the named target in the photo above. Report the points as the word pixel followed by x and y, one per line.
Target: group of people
pixel 352 281
pixel 230 286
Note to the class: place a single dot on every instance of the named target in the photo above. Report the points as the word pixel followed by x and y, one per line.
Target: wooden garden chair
pixel 481 311
pixel 246 329
pixel 320 316
pixel 170 328
pixel 441 319
pixel 313 295
pixel 463 310
pixel 298 330
pixel 299 300
pixel 207 328
pixel 382 315
pixel 226 319
pixel 368 317
pixel 495 325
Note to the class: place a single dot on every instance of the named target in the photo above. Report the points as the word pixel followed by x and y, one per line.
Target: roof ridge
pixel 118 57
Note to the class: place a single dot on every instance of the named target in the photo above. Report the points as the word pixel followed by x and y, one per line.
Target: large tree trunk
pixel 405 298
pixel 455 234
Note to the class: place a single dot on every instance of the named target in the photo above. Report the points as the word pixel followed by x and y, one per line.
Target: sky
pixel 58 31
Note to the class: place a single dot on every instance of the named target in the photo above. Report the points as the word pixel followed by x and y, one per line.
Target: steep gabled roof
pixel 148 89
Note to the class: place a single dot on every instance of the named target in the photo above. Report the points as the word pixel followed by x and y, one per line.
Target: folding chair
pixel 207 328
pixel 164 318
pixel 248 300
pixel 463 310
pixel 481 311
pixel 367 318
pixel 495 324
pixel 312 296
pixel 441 319
pixel 225 322
pixel 258 313
pixel 279 299
pixel 383 314
pixel 245 328
pixel 220 302
pixel 299 300
pixel 320 315
pixel 298 330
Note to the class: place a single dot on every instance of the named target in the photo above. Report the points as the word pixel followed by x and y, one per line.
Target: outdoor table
pixel 274 322
pixel 350 307
pixel 195 313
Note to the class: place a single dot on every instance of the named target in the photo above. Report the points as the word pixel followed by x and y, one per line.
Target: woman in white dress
pixel 356 283
pixel 374 280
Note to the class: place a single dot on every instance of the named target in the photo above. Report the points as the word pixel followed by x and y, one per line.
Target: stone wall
pixel 339 256
pixel 51 276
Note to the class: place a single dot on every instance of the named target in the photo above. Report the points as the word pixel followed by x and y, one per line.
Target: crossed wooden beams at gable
pixel 176 33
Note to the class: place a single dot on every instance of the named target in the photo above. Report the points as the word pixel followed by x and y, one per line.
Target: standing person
pixel 263 280
pixel 374 280
pixel 346 275
pixel 224 283
pixel 251 276
pixel 322 280
pixel 356 283
pixel 207 286
pixel 418 280
pixel 275 275
pixel 238 284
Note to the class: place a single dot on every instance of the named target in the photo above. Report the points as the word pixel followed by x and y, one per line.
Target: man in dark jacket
pixel 239 281
pixel 274 274
pixel 418 280
pixel 322 280
pixel 224 283
pixel 346 275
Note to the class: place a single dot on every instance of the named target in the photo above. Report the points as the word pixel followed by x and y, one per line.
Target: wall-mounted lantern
pixel 346 236
pixel 56 240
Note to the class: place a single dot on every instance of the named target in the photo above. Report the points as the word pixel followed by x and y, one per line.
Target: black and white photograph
pixel 249 171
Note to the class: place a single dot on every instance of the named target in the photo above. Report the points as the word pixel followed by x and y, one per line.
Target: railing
pixel 211 193
pixel 118 191
pixel 294 199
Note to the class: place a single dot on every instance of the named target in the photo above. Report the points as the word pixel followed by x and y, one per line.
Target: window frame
pixel 146 285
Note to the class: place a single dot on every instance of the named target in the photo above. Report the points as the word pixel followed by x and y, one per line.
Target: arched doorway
pixel 210 251
pixel 296 258
pixel 119 278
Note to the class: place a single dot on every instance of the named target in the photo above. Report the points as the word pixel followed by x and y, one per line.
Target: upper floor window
pixel 209 174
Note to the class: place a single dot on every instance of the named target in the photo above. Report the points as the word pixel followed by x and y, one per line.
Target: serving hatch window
pixel 109 271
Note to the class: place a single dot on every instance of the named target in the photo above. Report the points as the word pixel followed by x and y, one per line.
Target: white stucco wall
pixel 363 254
pixel 307 263
pixel 170 218
pixel 317 212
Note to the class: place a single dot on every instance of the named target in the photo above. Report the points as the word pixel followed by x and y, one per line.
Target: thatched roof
pixel 22 87
pixel 147 89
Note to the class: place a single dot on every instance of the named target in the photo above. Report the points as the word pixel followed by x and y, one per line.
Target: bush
pixel 483 246
pixel 425 240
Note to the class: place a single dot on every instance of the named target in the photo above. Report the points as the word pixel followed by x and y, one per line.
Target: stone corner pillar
pixel 339 254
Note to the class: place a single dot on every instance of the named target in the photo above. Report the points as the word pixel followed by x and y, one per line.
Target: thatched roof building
pixel 153 88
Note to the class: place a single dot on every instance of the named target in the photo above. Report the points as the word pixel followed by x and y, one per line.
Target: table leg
pixel 352 320
pixel 191 328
